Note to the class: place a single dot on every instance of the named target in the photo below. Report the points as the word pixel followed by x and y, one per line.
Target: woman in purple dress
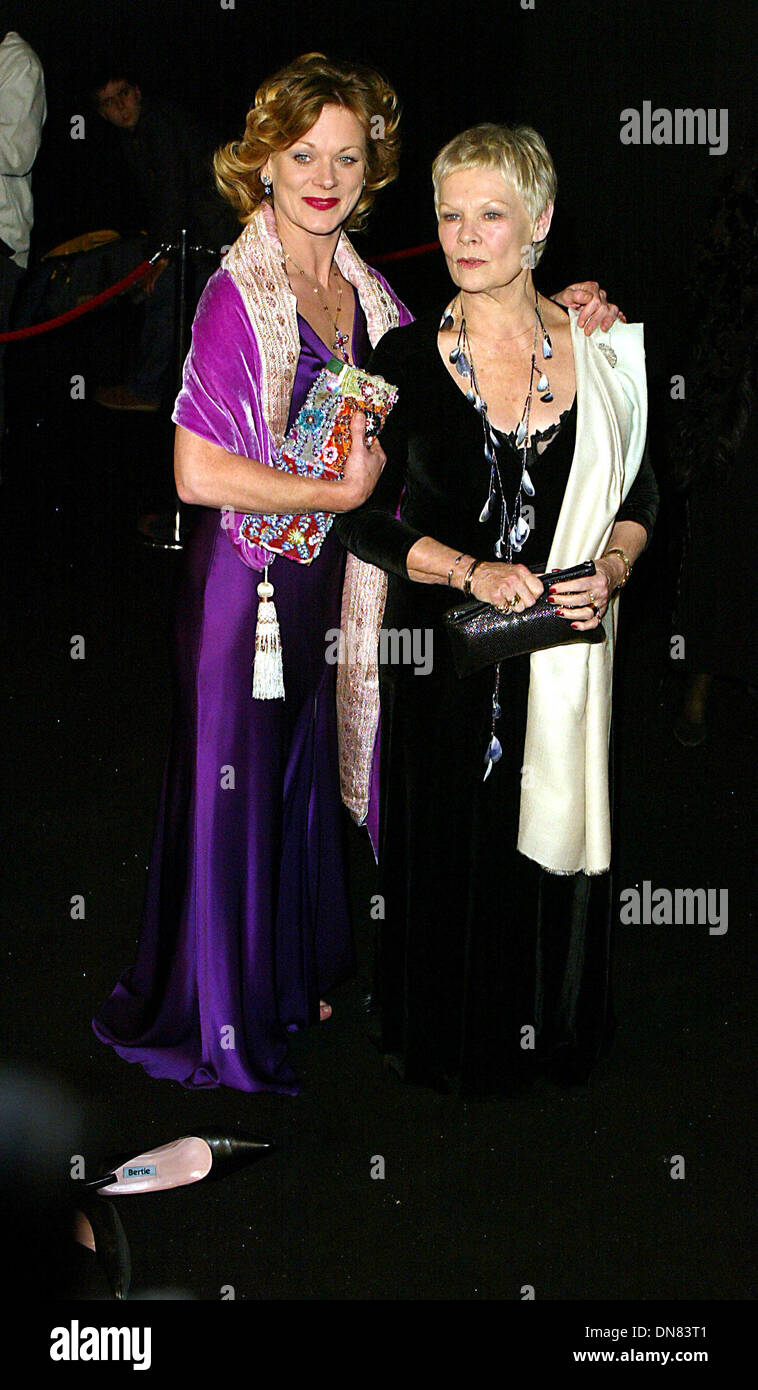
pixel 246 925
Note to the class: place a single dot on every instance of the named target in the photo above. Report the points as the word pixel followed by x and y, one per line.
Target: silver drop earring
pixel 267 185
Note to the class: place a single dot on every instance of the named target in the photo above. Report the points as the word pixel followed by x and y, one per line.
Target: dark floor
pixel 567 1191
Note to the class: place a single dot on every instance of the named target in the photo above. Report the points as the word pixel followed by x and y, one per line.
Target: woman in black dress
pixel 491 965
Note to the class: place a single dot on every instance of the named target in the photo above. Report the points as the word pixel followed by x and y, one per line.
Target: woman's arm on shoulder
pixel 592 303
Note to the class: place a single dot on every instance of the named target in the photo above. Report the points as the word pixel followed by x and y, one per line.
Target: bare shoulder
pixel 555 317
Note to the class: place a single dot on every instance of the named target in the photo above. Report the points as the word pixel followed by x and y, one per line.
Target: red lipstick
pixel 323 204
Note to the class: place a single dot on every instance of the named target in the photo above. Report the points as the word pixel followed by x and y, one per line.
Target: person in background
pixel 23 110
pixel 168 154
pixel 715 449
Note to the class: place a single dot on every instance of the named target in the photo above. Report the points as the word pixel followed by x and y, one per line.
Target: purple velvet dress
pixel 246 924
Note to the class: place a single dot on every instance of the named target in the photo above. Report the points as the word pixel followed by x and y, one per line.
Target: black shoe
pixel 689 732
pixel 230 1153
pixel 111 1245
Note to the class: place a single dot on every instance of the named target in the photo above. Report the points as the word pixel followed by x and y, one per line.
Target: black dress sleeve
pixel 373 531
pixel 641 502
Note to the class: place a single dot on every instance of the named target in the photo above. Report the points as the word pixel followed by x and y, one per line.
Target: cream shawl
pixel 565 813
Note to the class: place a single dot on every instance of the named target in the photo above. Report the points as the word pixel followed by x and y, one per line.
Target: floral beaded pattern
pixel 316 447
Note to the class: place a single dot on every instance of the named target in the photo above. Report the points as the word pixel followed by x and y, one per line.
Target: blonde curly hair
pixel 287 105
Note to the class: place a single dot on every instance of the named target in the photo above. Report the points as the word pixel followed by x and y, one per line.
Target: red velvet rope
pixel 406 253
pixel 80 309
pixel 143 268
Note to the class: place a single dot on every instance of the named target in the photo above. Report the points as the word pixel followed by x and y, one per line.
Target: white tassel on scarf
pixel 268 678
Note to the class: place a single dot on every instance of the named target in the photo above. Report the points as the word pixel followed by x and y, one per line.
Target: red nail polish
pixel 551 590
pixel 574 624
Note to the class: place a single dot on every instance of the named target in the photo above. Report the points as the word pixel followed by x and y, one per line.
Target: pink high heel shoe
pixel 181 1162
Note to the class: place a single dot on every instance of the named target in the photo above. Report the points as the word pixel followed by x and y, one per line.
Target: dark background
pixel 569 1192
pixel 626 216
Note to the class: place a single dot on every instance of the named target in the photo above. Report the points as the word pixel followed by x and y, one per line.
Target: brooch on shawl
pixel 608 353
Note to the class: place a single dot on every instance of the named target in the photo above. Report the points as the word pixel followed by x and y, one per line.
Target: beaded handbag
pixel 317 446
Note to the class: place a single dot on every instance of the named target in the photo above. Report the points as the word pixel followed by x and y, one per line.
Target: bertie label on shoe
pixel 148 1170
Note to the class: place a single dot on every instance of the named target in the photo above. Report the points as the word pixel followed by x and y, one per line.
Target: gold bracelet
pixel 627 564
pixel 468 576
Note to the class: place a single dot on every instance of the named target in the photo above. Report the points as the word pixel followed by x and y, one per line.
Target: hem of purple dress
pixel 161 1070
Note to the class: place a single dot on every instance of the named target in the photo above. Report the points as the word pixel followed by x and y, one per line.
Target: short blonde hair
pixel 289 104
pixel 518 152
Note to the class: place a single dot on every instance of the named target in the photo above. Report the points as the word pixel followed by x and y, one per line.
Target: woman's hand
pixel 585 601
pixel 511 588
pixel 363 467
pixel 592 303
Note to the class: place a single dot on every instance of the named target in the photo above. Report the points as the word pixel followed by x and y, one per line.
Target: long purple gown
pixel 245 924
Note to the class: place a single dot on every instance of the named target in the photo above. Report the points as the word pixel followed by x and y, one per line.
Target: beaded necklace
pixel 514 524
pixel 341 339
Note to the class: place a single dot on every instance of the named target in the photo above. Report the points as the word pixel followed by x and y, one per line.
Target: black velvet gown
pixel 489 967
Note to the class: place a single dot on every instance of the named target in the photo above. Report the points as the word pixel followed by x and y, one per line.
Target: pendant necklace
pixel 514 524
pixel 341 339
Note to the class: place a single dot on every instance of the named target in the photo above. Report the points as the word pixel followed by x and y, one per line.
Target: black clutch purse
pixel 481 635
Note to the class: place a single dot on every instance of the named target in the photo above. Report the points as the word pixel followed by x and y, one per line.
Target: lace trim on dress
pixel 545 436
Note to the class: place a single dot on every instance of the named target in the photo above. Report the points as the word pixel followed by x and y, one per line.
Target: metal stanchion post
pixel 165 529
